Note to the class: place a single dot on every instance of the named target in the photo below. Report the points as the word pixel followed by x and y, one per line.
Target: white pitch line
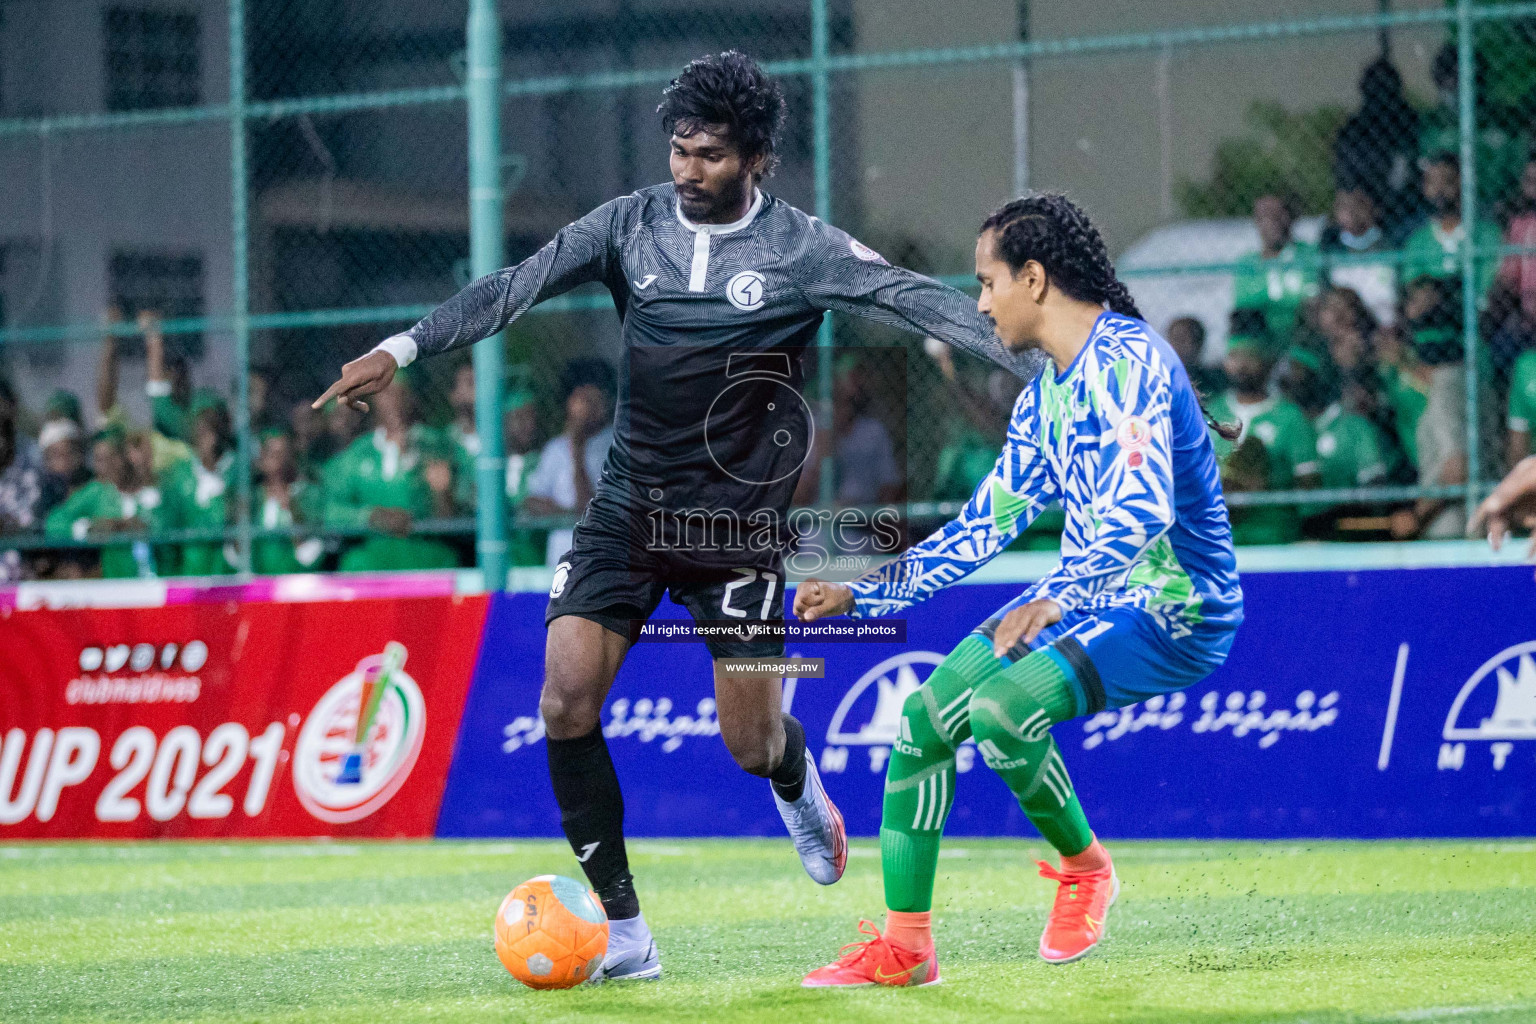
pixel 1392 705
pixel 1448 1012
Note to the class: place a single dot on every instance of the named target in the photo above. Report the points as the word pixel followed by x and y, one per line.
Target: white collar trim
pixel 722 229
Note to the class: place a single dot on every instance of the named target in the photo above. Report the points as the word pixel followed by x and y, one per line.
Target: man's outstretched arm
pixel 581 252
pixel 838 272
pixel 1006 501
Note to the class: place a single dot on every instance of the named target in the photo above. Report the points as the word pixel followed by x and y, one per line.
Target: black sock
pixel 592 814
pixel 788 778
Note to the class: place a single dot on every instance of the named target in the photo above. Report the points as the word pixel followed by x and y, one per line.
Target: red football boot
pixel 1077 918
pixel 876 962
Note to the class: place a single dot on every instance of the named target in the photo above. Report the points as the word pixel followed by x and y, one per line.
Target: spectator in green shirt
pixel 197 491
pixel 1290 444
pixel 520 437
pixel 1434 249
pixel 1282 275
pixel 281 500
pixel 1522 406
pixel 1346 324
pixel 520 440
pixel 1348 327
pixel 1349 447
pixel 387 481
pixel 462 429
pixel 1405 387
pixel 104 507
pixel 1349 450
pixel 149 492
pixel 340 428
pixel 1510 320
pixel 1358 254
pixel 1432 315
pixel 168 383
pixel 162 451
pixel 1500 151
pixel 463 437
pixel 973 437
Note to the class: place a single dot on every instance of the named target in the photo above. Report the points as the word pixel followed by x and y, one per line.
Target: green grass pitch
pixel 1203 932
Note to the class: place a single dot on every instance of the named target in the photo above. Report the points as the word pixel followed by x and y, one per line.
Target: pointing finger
pixel 330 393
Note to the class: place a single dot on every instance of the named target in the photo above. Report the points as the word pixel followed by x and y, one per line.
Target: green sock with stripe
pixel 920 777
pixel 1011 716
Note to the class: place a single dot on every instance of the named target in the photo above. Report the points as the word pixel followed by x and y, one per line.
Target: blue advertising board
pixel 1370 703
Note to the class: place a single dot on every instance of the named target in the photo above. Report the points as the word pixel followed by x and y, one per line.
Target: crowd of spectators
pixel 1344 364
pixel 1346 360
pixel 95 494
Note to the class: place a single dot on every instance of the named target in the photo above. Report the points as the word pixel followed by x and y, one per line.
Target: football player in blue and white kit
pixel 1145 600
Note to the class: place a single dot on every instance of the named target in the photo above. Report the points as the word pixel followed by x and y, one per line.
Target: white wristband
pixel 401 346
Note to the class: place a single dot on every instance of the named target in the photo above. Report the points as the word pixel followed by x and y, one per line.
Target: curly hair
pixel 727 91
pixel 1052 230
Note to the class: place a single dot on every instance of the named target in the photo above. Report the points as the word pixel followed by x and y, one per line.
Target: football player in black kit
pixel 720 288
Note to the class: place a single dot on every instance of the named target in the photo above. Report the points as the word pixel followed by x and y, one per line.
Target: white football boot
pixel 632 953
pixel 816 827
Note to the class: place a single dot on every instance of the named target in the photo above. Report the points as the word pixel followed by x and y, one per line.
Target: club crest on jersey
pixel 865 253
pixel 746 290
pixel 1133 433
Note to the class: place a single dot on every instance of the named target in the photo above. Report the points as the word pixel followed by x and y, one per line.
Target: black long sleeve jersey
pixel 716 318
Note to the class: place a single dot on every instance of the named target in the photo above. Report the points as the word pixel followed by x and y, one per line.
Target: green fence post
pixel 821 149
pixel 1466 85
pixel 487 254
pixel 240 274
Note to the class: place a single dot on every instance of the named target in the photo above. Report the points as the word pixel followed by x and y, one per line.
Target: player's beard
pixel 715 207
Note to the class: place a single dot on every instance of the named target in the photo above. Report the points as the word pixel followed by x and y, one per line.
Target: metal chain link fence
pixel 211 205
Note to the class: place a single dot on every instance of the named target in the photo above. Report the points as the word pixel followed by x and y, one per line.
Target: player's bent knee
pixel 920 739
pixel 754 759
pixel 755 748
pixel 984 721
pixel 569 711
pixel 1001 714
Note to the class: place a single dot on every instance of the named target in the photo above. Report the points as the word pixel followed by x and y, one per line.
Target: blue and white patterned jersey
pixel 1120 441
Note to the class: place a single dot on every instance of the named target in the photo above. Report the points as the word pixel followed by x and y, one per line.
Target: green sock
pixel 1011 716
pixel 920 777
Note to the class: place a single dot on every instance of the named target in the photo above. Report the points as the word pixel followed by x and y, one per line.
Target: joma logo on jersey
pixel 747 290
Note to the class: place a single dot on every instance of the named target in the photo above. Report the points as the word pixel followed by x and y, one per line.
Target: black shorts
pixel 609 578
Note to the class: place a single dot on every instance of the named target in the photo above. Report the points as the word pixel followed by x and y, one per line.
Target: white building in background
pixel 145 211
pixel 357 209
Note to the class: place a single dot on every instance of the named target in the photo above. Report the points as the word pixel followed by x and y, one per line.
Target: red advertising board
pixel 226 719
